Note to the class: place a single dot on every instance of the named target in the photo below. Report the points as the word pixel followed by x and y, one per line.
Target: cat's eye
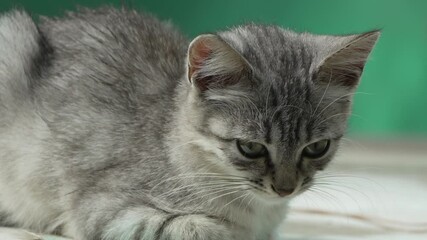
pixel 317 149
pixel 251 149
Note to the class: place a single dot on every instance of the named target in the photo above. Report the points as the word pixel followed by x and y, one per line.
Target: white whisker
pixel 323 96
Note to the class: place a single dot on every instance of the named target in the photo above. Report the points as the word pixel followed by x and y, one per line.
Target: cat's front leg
pixel 194 226
pixel 161 226
pixel 131 222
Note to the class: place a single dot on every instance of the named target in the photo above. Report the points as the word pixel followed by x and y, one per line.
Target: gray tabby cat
pixel 114 126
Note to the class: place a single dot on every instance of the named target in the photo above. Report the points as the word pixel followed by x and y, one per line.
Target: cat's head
pixel 270 105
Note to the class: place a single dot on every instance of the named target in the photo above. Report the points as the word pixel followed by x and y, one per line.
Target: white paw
pixel 17 234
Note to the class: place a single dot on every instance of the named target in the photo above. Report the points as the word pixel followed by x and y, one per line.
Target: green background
pixel 393 93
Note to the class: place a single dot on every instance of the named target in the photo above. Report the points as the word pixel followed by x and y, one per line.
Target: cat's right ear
pixel 213 63
pixel 345 63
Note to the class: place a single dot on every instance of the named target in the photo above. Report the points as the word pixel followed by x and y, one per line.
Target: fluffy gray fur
pixel 110 130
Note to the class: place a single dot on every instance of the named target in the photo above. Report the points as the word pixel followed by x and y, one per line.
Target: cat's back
pixel 106 53
pixel 118 45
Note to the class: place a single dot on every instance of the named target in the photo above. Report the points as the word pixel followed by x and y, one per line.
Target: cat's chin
pixel 272 198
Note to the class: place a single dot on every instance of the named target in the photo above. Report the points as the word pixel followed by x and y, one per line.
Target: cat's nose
pixel 283 192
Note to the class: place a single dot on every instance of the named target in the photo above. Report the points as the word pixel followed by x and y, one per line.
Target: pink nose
pixel 282 191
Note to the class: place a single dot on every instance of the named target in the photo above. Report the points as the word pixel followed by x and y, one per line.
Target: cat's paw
pixel 17 234
pixel 195 227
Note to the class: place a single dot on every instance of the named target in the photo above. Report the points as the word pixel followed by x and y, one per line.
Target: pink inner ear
pixel 199 52
pixel 212 63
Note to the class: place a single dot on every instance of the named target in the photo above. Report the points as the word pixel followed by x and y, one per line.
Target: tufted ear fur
pixel 345 64
pixel 212 63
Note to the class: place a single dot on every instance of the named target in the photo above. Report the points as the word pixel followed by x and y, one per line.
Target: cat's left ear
pixel 344 64
pixel 213 63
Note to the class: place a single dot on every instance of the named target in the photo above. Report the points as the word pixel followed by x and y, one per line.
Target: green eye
pixel 317 149
pixel 251 149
